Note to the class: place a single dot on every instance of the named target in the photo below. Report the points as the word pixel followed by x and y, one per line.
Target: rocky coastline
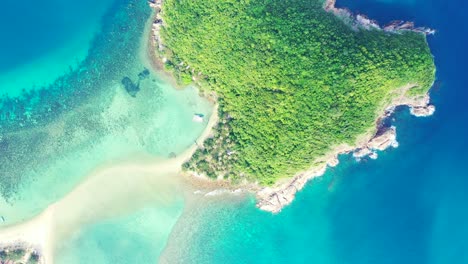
pixel 362 21
pixel 156 5
pixel 274 198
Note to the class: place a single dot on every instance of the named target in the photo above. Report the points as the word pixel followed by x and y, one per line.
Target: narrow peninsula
pixel 297 81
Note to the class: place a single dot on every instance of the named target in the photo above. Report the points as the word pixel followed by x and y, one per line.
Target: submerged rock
pixel 130 86
pixel 144 74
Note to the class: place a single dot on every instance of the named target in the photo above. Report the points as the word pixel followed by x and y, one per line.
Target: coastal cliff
pixel 219 157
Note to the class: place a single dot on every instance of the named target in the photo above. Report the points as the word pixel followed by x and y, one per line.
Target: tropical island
pixel 294 84
pixel 298 82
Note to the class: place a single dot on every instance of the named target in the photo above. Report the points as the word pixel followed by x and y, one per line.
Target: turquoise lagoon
pixel 408 206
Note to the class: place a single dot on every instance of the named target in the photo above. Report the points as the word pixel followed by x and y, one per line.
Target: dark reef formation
pixel 131 87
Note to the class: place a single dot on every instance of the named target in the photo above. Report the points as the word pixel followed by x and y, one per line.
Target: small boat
pixel 2 218
pixel 199 118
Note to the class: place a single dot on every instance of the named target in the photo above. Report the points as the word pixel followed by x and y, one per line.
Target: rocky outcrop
pixel 399 25
pixel 362 21
pixel 362 152
pixel 379 142
pixel 154 3
pixel 157 24
pixel 420 106
pixel 366 22
pixel 274 199
pixel 383 141
pixel 423 111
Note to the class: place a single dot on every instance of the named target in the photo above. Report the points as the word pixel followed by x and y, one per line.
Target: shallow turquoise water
pixel 135 238
pixel 408 206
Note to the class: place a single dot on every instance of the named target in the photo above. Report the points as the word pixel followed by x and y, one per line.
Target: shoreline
pixel 201 183
pixel 155 44
pixel 156 63
pixel 282 193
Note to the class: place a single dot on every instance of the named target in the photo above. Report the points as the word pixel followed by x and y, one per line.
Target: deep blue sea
pixel 408 206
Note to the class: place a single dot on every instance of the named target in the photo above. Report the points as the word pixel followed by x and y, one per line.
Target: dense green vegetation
pixel 292 79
